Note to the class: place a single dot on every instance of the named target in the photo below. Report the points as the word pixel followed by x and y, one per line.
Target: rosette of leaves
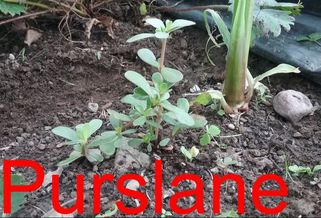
pixel 82 145
pixel 151 109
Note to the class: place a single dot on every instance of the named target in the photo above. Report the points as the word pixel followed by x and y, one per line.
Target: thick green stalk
pixel 237 57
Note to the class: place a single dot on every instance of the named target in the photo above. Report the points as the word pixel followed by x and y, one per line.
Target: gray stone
pixel 292 105
pixel 128 158
pixel 297 135
pixel 41 147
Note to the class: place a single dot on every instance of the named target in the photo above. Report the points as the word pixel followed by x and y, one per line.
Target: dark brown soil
pixel 58 79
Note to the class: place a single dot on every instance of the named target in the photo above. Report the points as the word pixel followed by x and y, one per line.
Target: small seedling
pixel 79 138
pixel 298 170
pixel 211 132
pixel 166 213
pixel 190 154
pixel 314 37
pixel 229 214
pixel 151 109
pixel 109 213
pixel 143 9
pixel 17 198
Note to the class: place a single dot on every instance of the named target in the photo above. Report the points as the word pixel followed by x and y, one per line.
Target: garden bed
pixel 58 79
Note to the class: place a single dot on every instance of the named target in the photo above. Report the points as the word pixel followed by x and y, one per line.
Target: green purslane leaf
pixel 95 125
pixel 155 22
pixel 181 23
pixel 140 121
pixel 139 81
pixel 140 37
pixel 108 148
pixel 200 121
pixel 130 99
pixel 162 35
pixel 180 114
pixel 94 155
pixel 183 104
pixel 119 116
pixel 317 168
pixel 135 142
pixel 72 157
pixel 66 133
pixel 164 142
pixel 83 131
pixel 172 75
pixel 157 78
pixel 148 57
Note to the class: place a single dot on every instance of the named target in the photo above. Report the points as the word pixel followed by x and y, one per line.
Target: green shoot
pixel 300 170
pixel 211 132
pixel 239 85
pixel 109 213
pixel 229 214
pixel 166 213
pixel 79 138
pixel 190 154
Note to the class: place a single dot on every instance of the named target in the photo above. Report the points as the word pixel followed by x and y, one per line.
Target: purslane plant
pixel 82 145
pixel 239 85
pixel 150 105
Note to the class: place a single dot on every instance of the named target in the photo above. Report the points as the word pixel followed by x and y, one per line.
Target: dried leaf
pixel 108 23
pixel 89 25
pixel 32 36
pixel 48 177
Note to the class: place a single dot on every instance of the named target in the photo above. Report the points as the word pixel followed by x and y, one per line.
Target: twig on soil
pixel 230 136
pixel 28 16
pixel 37 208
pixel 68 83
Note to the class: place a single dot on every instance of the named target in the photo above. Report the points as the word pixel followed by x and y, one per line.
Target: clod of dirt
pixel 292 105
pixel 128 158
pixel 304 207
pixel 93 107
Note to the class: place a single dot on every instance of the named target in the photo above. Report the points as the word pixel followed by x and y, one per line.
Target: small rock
pixel 31 143
pixel 19 139
pixel 48 128
pixel 292 105
pixel 41 147
pixel 1 106
pixel 93 107
pixel 25 135
pixel 11 57
pixel 231 126
pixel 184 44
pixel 297 135
pixel 128 158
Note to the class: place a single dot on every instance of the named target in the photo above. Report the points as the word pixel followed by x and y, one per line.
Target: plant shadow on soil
pixel 58 79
